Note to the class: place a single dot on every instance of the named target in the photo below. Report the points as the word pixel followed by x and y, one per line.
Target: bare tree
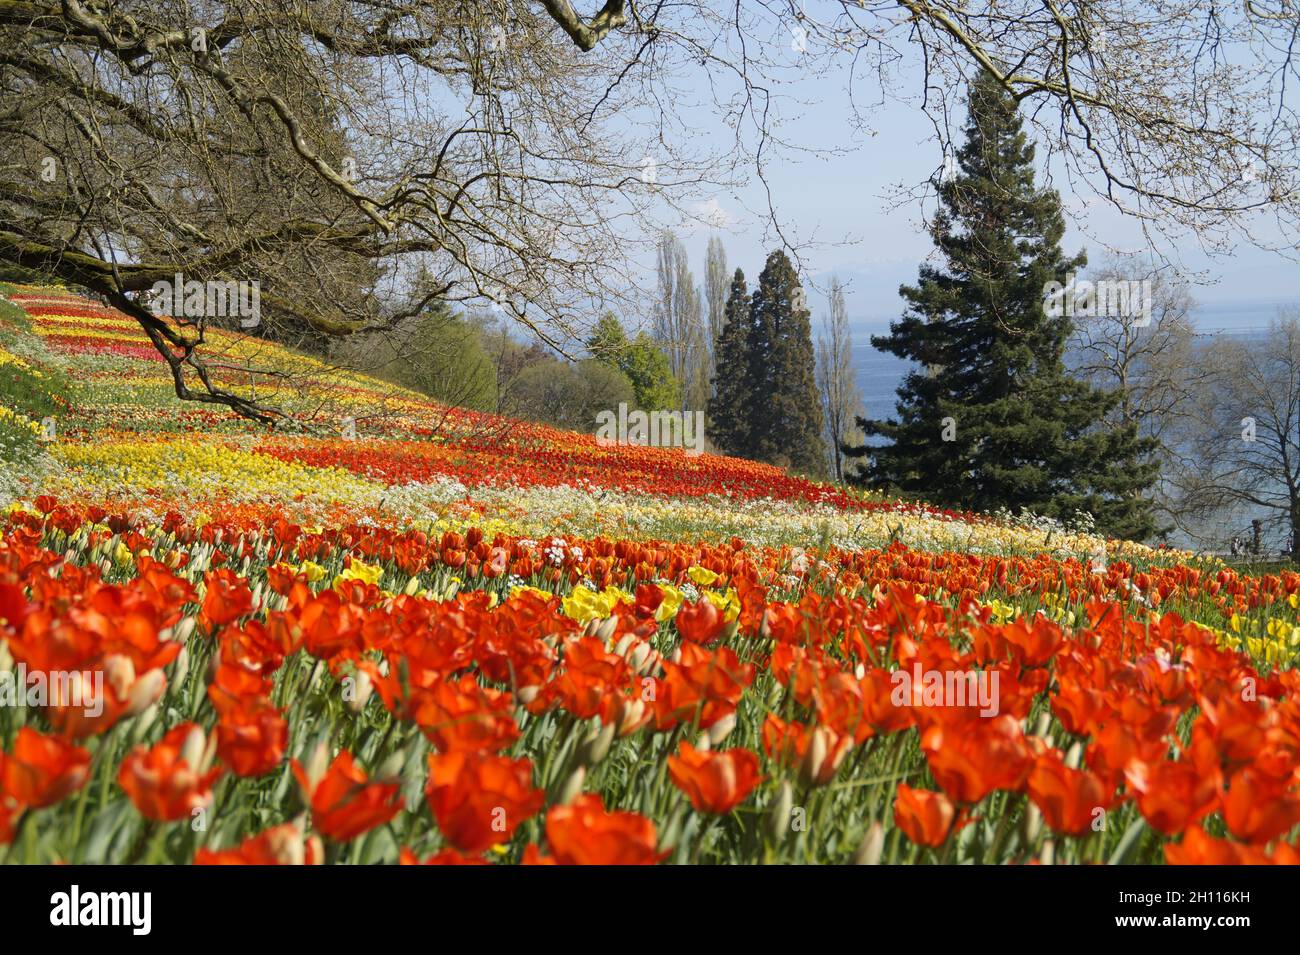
pixel 841 400
pixel 679 322
pixel 517 151
pixel 1245 434
pixel 1148 352
pixel 717 282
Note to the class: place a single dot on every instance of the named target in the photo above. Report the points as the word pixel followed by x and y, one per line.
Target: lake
pixel 878 375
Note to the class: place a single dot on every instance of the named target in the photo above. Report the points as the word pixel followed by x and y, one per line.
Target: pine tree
pixel 786 415
pixel 729 406
pixel 990 418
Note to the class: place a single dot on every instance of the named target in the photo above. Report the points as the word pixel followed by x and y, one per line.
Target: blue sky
pixel 839 204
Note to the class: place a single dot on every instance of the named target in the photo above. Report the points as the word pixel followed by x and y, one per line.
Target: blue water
pixel 879 374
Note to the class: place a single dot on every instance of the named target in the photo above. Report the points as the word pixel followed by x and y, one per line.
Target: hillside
pixel 126 441
pixel 458 639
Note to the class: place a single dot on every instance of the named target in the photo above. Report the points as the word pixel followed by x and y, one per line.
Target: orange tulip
pixel 227 599
pixel 42 770
pixel 464 716
pixel 700 622
pixel 344 803
pixel 445 857
pixel 480 799
pixel 1171 795
pixel 1259 808
pixel 1068 798
pixel 714 782
pixel 280 845
pixel 251 737
pixel 583 833
pixel 173 779
pixel 9 813
pixel 1200 848
pixel 982 755
pixel 925 817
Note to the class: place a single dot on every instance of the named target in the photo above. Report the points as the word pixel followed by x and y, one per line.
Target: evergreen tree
pixel 786 415
pixel 990 418
pixel 729 406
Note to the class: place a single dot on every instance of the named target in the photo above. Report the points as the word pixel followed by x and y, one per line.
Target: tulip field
pixel 384 631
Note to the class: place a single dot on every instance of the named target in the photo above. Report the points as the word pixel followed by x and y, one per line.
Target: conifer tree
pixel 731 398
pixel 786 415
pixel 990 417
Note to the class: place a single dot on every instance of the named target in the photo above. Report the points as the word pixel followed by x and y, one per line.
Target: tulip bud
pixel 642 658
pixel 1030 824
pixel 624 642
pixel 572 786
pixel 526 694
pixel 606 629
pixel 596 745
pixel 1074 755
pixel 287 845
pixel 181 668
pixel 184 630
pixel 814 756
pixel 774 696
pixel 364 687
pixel 672 833
pixel 145 692
pixel 391 768
pixel 192 748
pixel 778 817
pixel 119 671
pixel 6 660
pixel 1044 724
pixel 871 847
pixel 315 768
pixel 702 742
pixel 146 721
pixel 1048 855
pixel 631 712
pixel 722 728
pixel 412 586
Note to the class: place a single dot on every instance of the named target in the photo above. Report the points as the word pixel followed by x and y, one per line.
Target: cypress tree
pixel 990 417
pixel 786 423
pixel 731 399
